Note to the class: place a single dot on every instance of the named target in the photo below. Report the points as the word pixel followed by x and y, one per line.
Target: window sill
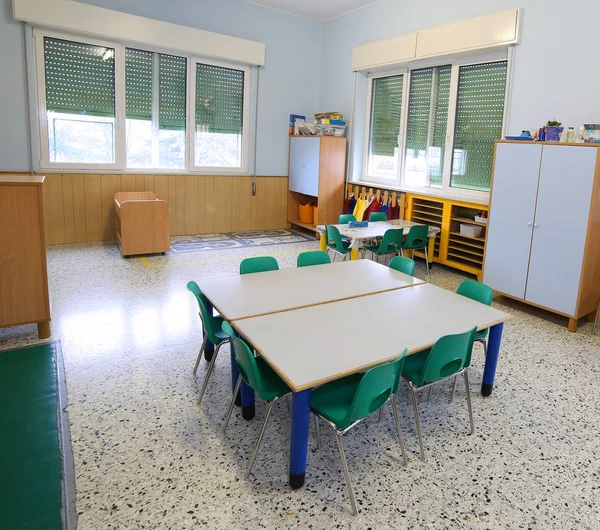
pixel 141 171
pixel 430 192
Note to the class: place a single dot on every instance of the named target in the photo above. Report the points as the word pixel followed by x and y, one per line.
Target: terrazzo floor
pixel 147 457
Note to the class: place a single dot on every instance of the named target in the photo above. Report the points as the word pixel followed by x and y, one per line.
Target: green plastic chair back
pixel 334 239
pixel 258 264
pixel 374 389
pixel 210 323
pixel 314 257
pixel 448 355
pixel 345 218
pixel 402 264
pixel 479 292
pixel 377 216
pixel 416 237
pixel 391 241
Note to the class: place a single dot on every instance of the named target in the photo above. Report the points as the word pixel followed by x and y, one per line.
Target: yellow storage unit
pixel 455 247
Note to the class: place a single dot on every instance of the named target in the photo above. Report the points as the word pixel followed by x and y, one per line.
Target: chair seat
pixel 481 334
pixel 273 385
pixel 413 367
pixel 219 333
pixel 333 400
pixel 376 250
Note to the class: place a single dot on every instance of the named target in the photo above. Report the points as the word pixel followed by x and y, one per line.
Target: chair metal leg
pixel 453 389
pixel 211 365
pixel 417 422
pixel 346 473
pixel 318 431
pixel 484 344
pixel 596 321
pixel 260 437
pixel 472 425
pixel 429 394
pixel 200 353
pixel 426 259
pixel 402 448
pixel 380 415
pixel 232 404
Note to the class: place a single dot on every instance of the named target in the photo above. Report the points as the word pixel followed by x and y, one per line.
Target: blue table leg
pixel 491 360
pixel 299 437
pixel 245 397
pixel 209 347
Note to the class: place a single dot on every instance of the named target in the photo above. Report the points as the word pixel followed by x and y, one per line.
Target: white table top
pixel 311 346
pixel 261 293
pixel 376 229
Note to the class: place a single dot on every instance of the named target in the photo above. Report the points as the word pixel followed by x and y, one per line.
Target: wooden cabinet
pixel 317 175
pixel 23 276
pixel 543 244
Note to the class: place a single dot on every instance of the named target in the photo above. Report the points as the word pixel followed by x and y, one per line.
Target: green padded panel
pixel 29 448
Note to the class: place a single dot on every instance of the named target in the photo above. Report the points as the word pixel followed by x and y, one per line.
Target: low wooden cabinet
pixel 23 276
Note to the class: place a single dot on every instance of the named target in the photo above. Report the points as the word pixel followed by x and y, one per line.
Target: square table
pixel 341 338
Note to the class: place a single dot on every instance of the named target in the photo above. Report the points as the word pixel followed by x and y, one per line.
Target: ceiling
pixel 319 10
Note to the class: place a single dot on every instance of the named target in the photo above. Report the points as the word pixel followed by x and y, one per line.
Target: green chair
pixel 402 264
pixel 449 357
pixel 336 243
pixel 258 264
pixel 416 239
pixel 212 331
pixel 258 375
pixel 377 216
pixel 343 403
pixel 391 243
pixel 345 218
pixel 314 257
pixel 480 293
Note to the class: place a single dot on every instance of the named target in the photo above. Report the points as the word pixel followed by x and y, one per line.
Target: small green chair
pixel 377 216
pixel 313 257
pixel 345 218
pixel 402 264
pixel 479 292
pixel 416 239
pixel 391 243
pixel 449 357
pixel 344 403
pixel 258 264
pixel 336 243
pixel 258 375
pixel 212 331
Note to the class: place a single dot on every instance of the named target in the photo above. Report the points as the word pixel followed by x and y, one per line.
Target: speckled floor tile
pixel 146 457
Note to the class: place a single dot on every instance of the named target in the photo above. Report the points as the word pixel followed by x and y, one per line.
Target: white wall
pixel 293 50
pixel 556 72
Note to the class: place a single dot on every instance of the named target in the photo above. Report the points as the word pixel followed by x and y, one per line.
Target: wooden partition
pixel 78 206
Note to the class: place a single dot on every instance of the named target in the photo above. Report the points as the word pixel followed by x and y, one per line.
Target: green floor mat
pixel 30 460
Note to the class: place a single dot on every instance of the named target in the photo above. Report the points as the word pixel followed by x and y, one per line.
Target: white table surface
pixel 359 235
pixel 261 293
pixel 311 346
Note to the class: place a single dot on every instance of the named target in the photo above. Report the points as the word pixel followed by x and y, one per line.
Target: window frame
pixel 446 190
pixel 120 164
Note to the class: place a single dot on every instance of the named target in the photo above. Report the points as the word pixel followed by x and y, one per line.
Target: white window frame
pixel 120 164
pixel 455 62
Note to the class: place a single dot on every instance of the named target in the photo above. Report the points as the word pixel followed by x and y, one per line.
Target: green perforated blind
pixel 479 115
pixel 172 72
pixel 80 78
pixel 440 121
pixel 386 115
pixel 219 99
pixel 138 84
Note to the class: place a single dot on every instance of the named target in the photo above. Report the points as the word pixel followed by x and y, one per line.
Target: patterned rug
pixel 255 238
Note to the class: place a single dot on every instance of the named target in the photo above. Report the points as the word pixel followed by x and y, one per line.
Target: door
pixel 296 158
pixel 312 155
pixel 516 174
pixel 560 226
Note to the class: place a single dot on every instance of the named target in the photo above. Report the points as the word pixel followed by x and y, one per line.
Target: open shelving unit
pixel 430 213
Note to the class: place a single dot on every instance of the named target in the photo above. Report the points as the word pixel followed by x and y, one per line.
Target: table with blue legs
pixel 313 345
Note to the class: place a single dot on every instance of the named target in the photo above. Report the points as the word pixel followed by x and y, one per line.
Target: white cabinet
pixel 543 243
pixel 304 165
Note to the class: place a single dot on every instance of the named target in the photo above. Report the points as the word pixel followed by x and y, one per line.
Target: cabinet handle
pixel 535 225
pixel 529 224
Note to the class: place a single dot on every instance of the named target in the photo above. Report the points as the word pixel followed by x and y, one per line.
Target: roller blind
pixel 80 78
pixel 479 115
pixel 138 84
pixel 440 122
pixel 219 99
pixel 386 114
pixel 172 73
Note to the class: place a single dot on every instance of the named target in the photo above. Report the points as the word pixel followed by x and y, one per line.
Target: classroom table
pixel 250 295
pixel 341 338
pixel 360 236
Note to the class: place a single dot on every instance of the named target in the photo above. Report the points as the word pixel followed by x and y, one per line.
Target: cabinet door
pixel 312 156
pixel 516 174
pixel 560 226
pixel 296 161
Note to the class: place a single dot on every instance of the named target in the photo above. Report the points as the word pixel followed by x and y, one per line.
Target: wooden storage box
pixel 141 223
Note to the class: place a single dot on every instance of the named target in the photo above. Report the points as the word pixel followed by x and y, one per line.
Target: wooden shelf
pixel 418 217
pixel 466 258
pixel 468 251
pixel 304 225
pixel 468 221
pixel 482 239
pixel 452 239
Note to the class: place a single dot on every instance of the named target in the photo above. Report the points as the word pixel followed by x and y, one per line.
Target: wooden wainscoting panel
pixel 78 207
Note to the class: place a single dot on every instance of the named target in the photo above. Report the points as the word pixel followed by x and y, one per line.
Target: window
pixel 104 105
pixel 441 135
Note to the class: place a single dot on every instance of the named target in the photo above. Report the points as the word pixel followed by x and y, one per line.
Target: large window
pixel 103 105
pixel 441 135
